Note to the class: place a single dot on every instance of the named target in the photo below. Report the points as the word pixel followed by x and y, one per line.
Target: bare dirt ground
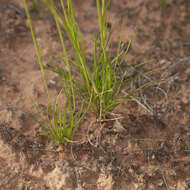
pixel 148 149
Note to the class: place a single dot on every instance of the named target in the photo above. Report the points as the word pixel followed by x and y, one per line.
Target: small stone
pixel 52 82
pixel 188 134
pixel 163 61
pixel 20 114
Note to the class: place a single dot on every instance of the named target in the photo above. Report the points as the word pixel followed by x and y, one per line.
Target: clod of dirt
pixel 105 182
pixel 5 116
pixel 62 177
pixel 19 143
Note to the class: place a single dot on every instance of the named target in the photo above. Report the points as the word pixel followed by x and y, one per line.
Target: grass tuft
pixel 99 87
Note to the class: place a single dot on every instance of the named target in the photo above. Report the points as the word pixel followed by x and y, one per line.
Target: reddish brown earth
pixel 148 149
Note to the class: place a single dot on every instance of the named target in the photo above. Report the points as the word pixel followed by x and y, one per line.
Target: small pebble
pixel 163 61
pixel 52 82
pixel 20 114
pixel 188 134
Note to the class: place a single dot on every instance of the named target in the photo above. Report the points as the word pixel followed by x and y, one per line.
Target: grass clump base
pixel 99 87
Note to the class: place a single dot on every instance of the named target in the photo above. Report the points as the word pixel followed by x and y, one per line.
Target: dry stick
pixel 159 88
pixel 78 179
pixel 19 11
pixel 169 69
pixel 149 149
pixel 145 105
pixel 104 120
pixel 89 140
pixel 147 109
pixel 175 64
pixel 99 135
pixel 23 13
pixel 154 113
pixel 148 139
pixel 180 61
pixel 144 98
pixel 154 149
pixel 165 181
pixel 178 44
pixel 45 150
pixel 73 154
pixel 166 95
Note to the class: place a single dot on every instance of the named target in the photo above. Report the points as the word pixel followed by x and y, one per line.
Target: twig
pixel 72 153
pixel 138 102
pixel 99 135
pixel 144 97
pixel 46 150
pixel 148 139
pixel 149 149
pixel 23 13
pixel 165 181
pixel 89 140
pixel 166 95
pixel 178 62
pixel 78 179
pixel 19 11
pixel 178 44
pixel 186 150
pixel 113 119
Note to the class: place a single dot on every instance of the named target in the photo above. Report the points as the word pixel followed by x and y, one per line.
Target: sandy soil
pixel 148 149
